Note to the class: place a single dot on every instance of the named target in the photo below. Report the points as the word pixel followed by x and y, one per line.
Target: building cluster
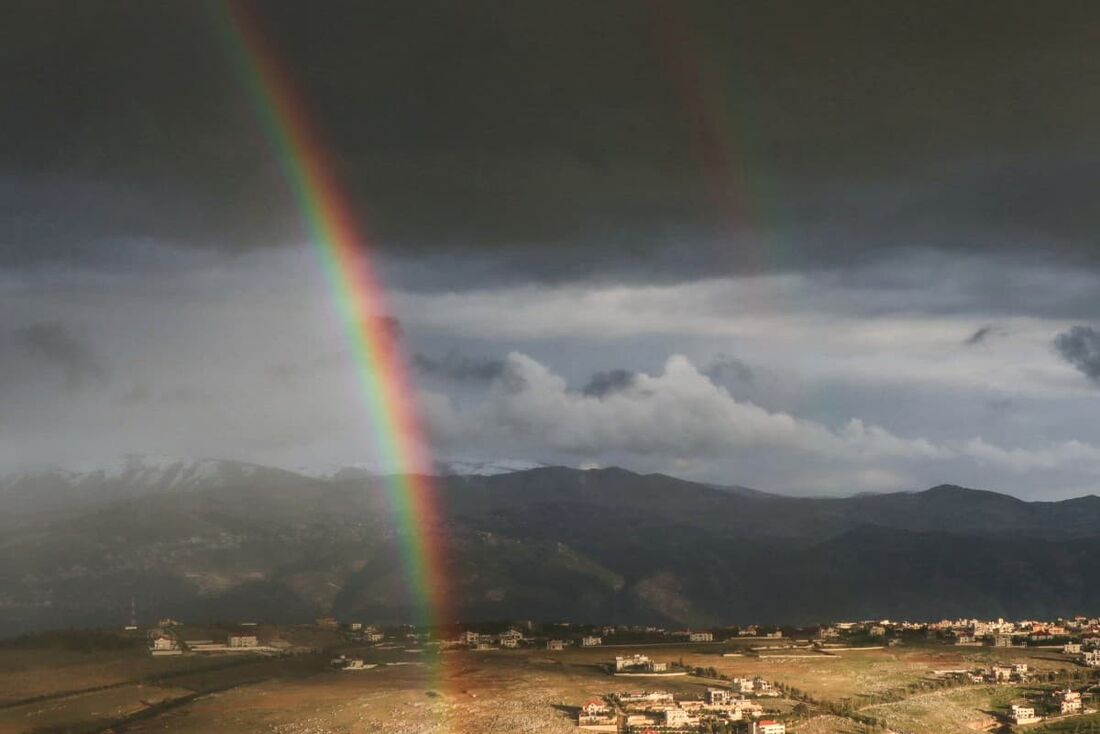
pixel 1056 703
pixel 1001 674
pixel 647 712
pixel 754 687
pixel 470 639
pixel 1078 636
pixel 164 641
pixel 1004 633
pixel 638 664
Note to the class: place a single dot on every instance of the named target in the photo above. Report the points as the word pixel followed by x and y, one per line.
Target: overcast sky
pixel 819 248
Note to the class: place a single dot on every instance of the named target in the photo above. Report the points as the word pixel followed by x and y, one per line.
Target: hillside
pixel 227 540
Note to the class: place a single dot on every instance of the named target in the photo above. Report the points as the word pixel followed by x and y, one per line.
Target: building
pixel 241 641
pixel 742 685
pixel 555 645
pixel 638 664
pixel 509 642
pixel 164 646
pixel 591 641
pixel 878 631
pixel 374 636
pixel 1072 648
pixel 596 714
pixel 700 637
pixel 678 718
pixel 1023 715
pixel 1091 658
pixel 1002 640
pixel 718 697
pixel 511 634
pixel 1067 702
pixel 163 643
pixel 768 726
pixel 344 662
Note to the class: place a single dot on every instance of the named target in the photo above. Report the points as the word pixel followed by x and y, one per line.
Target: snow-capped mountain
pixel 150 473
pixel 466 467
pixel 131 476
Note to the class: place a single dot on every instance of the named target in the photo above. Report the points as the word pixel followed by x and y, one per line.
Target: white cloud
pixel 681 415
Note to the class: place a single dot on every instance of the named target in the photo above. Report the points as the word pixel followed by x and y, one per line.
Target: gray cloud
pixel 53 345
pixel 1080 346
pixel 611 381
pixel 454 366
pixel 724 366
pixel 983 333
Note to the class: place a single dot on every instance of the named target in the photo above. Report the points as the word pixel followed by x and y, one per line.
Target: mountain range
pixel 233 541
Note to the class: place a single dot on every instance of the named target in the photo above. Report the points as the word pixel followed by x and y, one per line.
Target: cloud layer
pixel 681 415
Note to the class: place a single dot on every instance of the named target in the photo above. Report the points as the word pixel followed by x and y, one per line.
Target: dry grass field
pixel 509 691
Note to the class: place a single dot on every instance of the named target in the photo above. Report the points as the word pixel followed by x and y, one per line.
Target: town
pixel 662 680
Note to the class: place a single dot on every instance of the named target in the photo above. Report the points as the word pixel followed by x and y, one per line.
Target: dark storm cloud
pixel 764 135
pixel 611 381
pixel 55 347
pixel 1080 346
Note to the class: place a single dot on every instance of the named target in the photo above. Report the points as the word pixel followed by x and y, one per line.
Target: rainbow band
pixel 344 252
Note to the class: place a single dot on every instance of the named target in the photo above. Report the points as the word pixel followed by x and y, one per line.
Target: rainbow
pixel 343 248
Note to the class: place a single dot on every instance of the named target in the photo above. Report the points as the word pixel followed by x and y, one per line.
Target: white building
pixel 241 641
pixel 677 718
pixel 1024 715
pixel 511 634
pixel 700 637
pixel 742 685
pixel 1068 701
pixel 768 726
pixel 161 645
pixel 596 714
pixel 591 641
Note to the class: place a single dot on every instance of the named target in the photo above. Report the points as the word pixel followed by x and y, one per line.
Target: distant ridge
pixel 220 539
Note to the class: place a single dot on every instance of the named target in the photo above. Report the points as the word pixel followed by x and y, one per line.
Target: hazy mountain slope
pixel 65 493
pixel 236 541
